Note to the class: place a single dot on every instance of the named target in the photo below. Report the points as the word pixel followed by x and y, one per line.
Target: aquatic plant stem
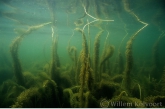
pixel 83 70
pixel 107 53
pixel 16 62
pixel 52 27
pixel 140 92
pixel 14 53
pixel 96 55
pixel 121 94
pixel 89 39
pixel 126 7
pixel 54 63
pixel 128 53
pixel 86 78
pixel 129 65
pixel 70 38
pixel 125 29
pixel 95 19
pixel 106 36
pixel 155 53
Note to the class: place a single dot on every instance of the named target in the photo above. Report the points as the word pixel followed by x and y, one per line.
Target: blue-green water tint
pixel 35 49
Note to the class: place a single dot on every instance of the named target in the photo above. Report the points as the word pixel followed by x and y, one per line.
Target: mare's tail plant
pixel 14 53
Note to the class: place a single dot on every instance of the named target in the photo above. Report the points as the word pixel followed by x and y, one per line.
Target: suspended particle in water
pixel 79 22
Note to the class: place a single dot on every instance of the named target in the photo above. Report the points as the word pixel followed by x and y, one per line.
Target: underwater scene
pixel 82 53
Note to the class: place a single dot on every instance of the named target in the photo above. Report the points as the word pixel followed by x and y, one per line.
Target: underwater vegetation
pixel 103 63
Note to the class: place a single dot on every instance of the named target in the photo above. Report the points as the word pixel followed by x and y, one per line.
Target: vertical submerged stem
pixel 129 65
pixel 83 59
pixel 16 62
pixel 96 55
pixel 129 56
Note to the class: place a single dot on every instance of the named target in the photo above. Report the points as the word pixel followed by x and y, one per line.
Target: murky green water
pixel 82 53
